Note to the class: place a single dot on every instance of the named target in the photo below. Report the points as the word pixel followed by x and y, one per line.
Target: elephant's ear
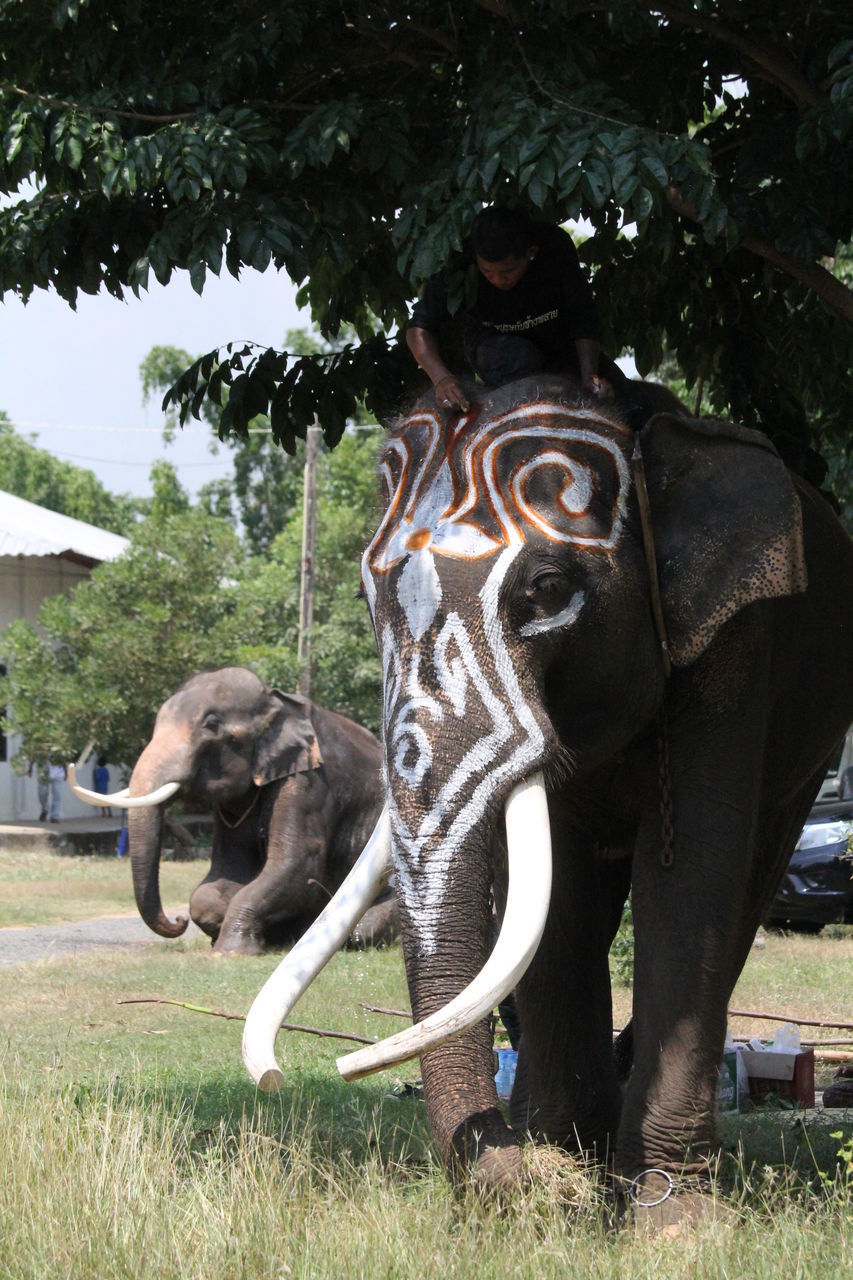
pixel 727 524
pixel 288 742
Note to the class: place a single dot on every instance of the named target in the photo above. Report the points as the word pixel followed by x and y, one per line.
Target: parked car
pixel 838 783
pixel 817 888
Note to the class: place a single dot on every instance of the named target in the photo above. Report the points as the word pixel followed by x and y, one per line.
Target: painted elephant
pixel 295 792
pixel 637 649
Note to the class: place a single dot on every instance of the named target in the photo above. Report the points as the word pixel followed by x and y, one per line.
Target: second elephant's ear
pixel 287 743
pixel 727 525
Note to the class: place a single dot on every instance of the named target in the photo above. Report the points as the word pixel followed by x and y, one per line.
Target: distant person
pixel 101 783
pixel 56 777
pixel 529 308
pixel 121 850
pixel 42 785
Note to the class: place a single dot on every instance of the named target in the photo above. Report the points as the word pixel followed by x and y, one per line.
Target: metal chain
pixel 665 781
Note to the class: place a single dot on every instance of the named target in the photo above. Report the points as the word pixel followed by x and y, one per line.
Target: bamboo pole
pixel 790 1017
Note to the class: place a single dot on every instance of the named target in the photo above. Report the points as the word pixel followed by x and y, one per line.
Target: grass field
pixel 134 1144
pixel 40 887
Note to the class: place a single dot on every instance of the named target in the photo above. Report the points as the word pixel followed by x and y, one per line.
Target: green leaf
pixel 655 169
pixel 198 274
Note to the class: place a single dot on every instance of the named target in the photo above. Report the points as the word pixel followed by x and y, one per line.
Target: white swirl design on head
pixel 423 859
pixel 436 523
pixel 407 735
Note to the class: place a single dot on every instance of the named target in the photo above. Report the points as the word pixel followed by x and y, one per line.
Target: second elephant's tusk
pixel 121 799
pixel 528 898
pixel 305 960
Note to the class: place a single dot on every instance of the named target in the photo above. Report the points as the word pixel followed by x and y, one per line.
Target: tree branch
pixel 815 277
pixel 778 67
pixel 101 111
pixel 241 1017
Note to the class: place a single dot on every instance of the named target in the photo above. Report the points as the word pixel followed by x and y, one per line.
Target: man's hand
pixel 448 390
pixel 598 387
pixel 449 393
pixel 588 352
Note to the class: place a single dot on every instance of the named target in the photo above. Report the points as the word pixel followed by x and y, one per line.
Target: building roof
pixel 29 530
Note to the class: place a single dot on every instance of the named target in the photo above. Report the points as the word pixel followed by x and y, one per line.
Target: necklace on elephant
pixel 243 816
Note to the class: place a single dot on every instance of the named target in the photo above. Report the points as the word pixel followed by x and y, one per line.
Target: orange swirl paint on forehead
pixel 467 498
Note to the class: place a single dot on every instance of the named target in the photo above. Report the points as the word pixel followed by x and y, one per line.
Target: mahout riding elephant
pixel 295 791
pixel 612 660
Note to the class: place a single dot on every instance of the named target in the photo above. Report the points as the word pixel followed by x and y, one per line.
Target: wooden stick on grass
pixel 394 1013
pixel 241 1017
pixel 789 1017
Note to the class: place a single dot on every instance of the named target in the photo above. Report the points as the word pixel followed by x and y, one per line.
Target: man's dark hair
pixel 501 233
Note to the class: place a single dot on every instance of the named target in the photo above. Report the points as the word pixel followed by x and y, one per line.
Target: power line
pixel 189 429
pixel 125 462
pixel 100 426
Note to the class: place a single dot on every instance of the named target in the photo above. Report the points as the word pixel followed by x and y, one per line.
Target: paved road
pixel 20 946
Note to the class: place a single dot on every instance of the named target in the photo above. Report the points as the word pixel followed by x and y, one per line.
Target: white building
pixel 41 554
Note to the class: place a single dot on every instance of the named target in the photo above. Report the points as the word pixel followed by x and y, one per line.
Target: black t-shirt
pixel 552 304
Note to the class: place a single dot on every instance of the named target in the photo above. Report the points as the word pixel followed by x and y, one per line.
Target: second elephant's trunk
pixel 145 829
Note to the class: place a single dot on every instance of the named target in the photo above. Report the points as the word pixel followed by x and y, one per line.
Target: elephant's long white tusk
pixel 305 960
pixel 528 897
pixel 122 799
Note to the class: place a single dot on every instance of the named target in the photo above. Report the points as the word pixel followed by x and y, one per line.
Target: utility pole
pixel 306 584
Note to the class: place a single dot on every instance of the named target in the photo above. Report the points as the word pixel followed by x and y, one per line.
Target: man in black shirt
pixel 531 309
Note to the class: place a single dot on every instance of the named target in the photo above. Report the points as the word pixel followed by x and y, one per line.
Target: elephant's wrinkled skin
pixel 295 792
pixel 511 599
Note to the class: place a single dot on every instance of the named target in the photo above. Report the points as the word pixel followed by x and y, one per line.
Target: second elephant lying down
pixel 295 792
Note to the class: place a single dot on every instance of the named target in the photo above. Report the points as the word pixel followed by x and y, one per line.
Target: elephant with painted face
pixel 295 791
pixel 612 662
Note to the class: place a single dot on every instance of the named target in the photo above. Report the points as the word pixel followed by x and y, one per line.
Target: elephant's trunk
pixel 528 899
pixel 145 830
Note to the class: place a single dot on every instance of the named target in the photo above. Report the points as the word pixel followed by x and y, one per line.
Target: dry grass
pixel 44 887
pixel 135 1145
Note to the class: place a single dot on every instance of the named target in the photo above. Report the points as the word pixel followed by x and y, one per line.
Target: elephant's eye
pixel 211 723
pixel 546 586
pixel 552 602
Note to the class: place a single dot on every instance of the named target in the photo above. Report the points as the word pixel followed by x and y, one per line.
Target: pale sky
pixel 71 378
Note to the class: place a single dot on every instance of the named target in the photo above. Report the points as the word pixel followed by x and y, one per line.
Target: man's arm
pixel 579 301
pixel 424 348
pixel 588 350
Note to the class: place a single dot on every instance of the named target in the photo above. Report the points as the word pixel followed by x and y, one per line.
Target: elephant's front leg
pixel 289 888
pixel 691 917
pixel 565 1004
pixel 234 863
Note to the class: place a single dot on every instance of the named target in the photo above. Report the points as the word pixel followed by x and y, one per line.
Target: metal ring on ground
pixel 634 1188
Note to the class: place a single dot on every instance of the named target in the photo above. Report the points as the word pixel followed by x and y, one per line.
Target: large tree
pixel 350 144
pixel 185 597
pixel 105 655
pixel 36 475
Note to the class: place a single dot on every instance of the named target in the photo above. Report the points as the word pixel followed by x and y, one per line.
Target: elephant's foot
pixel 669 1203
pixel 238 944
pixel 242 934
pixel 378 927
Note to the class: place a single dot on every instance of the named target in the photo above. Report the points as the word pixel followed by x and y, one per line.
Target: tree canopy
pixel 34 474
pixel 106 654
pixel 186 597
pixel 351 145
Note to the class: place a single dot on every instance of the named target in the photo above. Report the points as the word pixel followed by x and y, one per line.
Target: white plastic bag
pixel 786 1039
